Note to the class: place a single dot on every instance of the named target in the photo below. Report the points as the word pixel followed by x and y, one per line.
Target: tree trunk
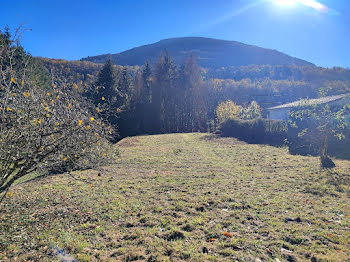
pixel 326 162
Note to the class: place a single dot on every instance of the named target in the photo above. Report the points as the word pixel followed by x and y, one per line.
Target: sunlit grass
pixel 173 197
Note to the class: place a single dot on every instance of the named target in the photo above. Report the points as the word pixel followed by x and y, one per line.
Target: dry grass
pixel 172 198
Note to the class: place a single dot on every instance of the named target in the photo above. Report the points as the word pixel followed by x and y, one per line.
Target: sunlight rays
pixel 316 5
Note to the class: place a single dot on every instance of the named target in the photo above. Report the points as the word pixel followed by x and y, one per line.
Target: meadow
pixel 177 197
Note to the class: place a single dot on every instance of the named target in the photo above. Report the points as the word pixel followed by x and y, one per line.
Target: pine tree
pixel 124 89
pixel 146 83
pixel 104 91
pixel 142 110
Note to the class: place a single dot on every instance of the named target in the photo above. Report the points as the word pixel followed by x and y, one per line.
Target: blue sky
pixel 72 29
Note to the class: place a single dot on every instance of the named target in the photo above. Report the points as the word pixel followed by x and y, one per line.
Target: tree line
pixel 166 98
pixel 159 99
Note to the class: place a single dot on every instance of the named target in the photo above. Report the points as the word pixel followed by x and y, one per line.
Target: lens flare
pixel 309 3
pixel 314 4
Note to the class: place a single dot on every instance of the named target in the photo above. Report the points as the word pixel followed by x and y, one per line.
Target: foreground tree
pixel 315 124
pixel 43 128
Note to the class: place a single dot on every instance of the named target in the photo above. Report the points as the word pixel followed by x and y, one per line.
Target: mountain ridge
pixel 210 53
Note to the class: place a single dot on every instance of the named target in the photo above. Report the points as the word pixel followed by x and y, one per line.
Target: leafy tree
pixel 227 110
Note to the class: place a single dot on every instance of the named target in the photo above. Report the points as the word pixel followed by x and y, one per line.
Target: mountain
pixel 210 53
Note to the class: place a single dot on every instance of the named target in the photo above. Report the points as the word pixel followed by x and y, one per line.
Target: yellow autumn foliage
pixel 227 110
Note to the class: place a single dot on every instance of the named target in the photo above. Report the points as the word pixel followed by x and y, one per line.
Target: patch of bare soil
pixel 128 142
pixel 222 140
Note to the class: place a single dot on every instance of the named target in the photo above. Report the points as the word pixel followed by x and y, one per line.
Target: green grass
pixel 172 198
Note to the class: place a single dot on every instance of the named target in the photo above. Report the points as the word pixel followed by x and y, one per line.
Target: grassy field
pixel 181 197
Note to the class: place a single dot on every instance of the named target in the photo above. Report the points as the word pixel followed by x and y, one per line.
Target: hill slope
pixel 210 53
pixel 172 197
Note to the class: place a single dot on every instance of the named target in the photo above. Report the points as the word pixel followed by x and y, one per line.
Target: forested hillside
pixel 210 53
pixel 270 85
pixel 274 85
pixel 81 73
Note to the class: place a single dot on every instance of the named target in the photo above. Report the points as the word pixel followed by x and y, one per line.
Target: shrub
pixel 43 128
pixel 257 131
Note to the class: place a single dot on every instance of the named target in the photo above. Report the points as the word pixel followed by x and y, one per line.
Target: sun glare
pixel 309 3
pixel 286 2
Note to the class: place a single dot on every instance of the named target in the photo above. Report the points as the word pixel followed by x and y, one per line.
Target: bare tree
pixel 315 125
pixel 43 128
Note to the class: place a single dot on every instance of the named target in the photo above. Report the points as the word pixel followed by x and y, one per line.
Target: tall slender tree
pixel 124 89
pixel 146 82
pixel 197 106
pixel 142 109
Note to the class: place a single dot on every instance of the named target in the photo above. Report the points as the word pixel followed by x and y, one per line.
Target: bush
pixel 41 127
pixel 257 131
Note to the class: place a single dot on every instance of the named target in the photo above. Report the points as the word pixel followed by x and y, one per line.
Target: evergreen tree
pixel 163 93
pixel 146 83
pixel 104 91
pixel 143 109
pixel 20 59
pixel 124 89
